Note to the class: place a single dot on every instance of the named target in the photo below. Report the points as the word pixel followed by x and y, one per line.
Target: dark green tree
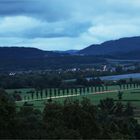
pixel 7 115
pixel 123 86
pixel 41 93
pixel 128 110
pixel 76 91
pixel 37 94
pixel 25 98
pixel 55 92
pixel 92 89
pixel 71 91
pixel 46 93
pixel 59 92
pixel 127 85
pixel 32 95
pixel 80 90
pixel 84 90
pixel 120 85
pixel 106 88
pixel 102 88
pixel 67 90
pixel 95 88
pixel 120 95
pixel 88 89
pixel 99 88
pixel 63 92
pixel 107 105
pixel 50 93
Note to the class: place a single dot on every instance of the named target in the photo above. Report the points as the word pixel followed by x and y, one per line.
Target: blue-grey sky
pixel 66 24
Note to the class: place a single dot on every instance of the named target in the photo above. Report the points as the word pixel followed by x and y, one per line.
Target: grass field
pixel 131 95
pixel 26 94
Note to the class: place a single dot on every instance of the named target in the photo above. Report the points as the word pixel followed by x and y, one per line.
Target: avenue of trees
pixel 81 87
pixel 70 120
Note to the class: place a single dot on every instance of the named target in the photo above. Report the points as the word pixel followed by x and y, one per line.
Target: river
pixel 124 76
pixel 114 77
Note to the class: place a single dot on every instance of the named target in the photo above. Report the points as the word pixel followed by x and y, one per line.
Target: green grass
pixel 132 95
pixel 25 92
pixel 134 98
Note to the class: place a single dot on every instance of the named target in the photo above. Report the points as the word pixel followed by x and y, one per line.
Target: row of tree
pixel 53 92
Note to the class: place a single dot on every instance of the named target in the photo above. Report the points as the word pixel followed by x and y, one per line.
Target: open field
pixel 130 95
pixel 32 94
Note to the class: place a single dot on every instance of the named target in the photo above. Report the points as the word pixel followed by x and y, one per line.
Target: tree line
pixel 52 80
pixel 40 93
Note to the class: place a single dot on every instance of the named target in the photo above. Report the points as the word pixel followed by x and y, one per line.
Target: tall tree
pixel 46 93
pixel 99 88
pixel 123 86
pixel 127 85
pixel 106 87
pixel 102 87
pixel 41 93
pixel 120 94
pixel 7 115
pixel 96 90
pixel 37 94
pixel 88 89
pixel 72 91
pixel 76 91
pixel 80 90
pixel 59 92
pixel 50 92
pixel 84 90
pixel 67 91
pixel 55 92
pixel 32 95
pixel 92 89
pixel 63 92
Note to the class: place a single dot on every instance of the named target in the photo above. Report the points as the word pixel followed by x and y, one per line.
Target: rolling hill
pixel 25 52
pixel 21 58
pixel 121 48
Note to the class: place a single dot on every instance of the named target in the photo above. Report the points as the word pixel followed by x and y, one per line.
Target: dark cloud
pixel 65 30
pixel 44 9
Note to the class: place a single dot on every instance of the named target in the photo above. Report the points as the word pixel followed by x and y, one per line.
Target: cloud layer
pixel 62 25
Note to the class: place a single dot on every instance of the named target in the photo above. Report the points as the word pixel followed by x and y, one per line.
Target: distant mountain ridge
pixel 24 52
pixel 22 58
pixel 120 47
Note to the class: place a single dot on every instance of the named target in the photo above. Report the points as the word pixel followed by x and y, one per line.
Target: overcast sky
pixel 67 24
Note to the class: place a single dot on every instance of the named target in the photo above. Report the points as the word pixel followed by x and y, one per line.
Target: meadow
pixel 39 98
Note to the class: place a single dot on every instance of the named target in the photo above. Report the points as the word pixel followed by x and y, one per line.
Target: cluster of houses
pixel 100 68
